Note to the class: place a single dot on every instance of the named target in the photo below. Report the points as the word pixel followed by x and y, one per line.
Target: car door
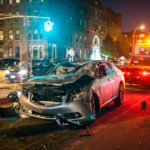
pixel 104 85
pixel 113 77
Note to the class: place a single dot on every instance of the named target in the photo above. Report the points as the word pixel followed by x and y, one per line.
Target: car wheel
pixel 95 106
pixel 120 98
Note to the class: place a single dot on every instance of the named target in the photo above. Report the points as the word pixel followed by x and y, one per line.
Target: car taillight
pixel 126 73
pixel 145 73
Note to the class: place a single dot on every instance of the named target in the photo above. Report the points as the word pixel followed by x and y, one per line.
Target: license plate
pixel 12 77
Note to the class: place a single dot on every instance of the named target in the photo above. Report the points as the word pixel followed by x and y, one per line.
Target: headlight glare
pixel 7 72
pixel 19 93
pixel 22 72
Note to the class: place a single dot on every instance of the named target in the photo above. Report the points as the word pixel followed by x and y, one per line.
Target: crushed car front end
pixel 68 101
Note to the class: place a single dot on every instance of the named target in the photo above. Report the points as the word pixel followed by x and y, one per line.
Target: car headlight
pixel 7 72
pixel 22 72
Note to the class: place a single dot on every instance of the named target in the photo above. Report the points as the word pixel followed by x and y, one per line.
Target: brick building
pixel 78 25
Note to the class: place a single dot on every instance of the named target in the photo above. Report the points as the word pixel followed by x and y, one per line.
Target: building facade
pixel 79 25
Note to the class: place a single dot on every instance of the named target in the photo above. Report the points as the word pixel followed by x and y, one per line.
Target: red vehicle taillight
pixel 126 73
pixel 145 73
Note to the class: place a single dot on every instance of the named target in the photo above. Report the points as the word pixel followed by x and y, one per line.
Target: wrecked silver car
pixel 74 92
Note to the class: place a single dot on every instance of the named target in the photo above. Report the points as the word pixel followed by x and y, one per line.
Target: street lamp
pixel 133 38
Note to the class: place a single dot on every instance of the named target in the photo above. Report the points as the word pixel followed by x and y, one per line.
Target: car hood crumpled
pixel 54 79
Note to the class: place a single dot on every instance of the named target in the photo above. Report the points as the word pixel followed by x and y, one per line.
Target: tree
pixel 109 47
pixel 123 47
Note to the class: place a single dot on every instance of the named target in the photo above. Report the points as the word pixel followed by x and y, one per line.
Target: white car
pixel 73 92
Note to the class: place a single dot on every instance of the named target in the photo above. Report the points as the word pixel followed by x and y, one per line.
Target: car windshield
pixel 9 62
pixel 65 68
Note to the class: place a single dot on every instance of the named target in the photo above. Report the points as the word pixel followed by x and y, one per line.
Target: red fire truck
pixel 138 71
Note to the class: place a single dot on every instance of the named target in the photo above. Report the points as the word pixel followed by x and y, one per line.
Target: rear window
pixel 141 62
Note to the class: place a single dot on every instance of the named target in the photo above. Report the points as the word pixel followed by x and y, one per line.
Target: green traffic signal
pixel 48 25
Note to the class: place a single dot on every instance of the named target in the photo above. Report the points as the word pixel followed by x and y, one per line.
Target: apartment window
pixel 1 35
pixel 10 2
pixel 10 35
pixel 17 13
pixel 10 52
pixel 17 52
pixel 18 1
pixel 35 34
pixel 80 22
pixel 41 52
pixel 17 34
pixel 1 2
pixel 30 35
pixel 76 38
pixel 85 24
pixel 41 35
pixel 35 52
pixel 1 52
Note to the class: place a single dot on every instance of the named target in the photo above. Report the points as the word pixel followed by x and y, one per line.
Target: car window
pixel 109 68
pixel 100 70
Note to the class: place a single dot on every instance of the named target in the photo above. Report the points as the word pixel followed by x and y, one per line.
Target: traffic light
pixel 48 25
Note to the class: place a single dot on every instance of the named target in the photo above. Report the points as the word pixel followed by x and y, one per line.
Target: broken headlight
pixel 78 96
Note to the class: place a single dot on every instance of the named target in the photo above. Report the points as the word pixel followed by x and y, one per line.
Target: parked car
pixel 39 67
pixel 5 65
pixel 72 92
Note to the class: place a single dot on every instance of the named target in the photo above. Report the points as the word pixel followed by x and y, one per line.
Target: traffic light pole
pixel 21 16
pixel 48 26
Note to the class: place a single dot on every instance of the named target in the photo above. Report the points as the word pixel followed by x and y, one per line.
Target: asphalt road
pixel 34 133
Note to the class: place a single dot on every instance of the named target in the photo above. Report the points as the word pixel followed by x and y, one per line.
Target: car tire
pixel 120 98
pixel 95 106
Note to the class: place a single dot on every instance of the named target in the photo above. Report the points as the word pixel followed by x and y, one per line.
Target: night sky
pixel 134 12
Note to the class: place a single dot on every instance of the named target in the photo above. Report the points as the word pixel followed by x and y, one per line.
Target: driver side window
pixel 100 71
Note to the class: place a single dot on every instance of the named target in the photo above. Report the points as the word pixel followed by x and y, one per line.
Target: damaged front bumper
pixel 77 112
